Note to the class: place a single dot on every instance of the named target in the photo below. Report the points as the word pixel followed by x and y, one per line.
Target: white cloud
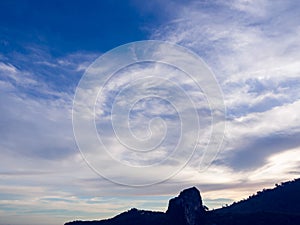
pixel 283 164
pixel 7 68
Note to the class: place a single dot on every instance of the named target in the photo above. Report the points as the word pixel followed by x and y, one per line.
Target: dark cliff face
pixel 187 208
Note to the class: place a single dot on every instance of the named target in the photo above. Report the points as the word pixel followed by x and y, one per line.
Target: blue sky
pixel 252 47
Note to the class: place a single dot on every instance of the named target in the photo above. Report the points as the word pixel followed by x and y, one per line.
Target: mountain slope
pixel 285 198
pixel 131 217
pixel 278 206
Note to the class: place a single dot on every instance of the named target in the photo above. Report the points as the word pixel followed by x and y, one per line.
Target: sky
pixel 51 170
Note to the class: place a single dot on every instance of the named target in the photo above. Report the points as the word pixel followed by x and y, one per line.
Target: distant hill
pixel 131 217
pixel 278 206
pixel 285 198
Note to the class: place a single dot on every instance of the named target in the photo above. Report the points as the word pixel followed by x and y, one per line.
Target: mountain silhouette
pixel 187 208
pixel 278 206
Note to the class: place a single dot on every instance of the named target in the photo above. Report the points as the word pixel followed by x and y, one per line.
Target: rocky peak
pixel 187 208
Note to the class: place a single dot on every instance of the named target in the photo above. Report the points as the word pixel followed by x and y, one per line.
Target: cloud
pixel 38 150
pixel 29 127
pixel 280 164
pixel 35 118
pixel 253 138
pixel 150 117
pixel 252 51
